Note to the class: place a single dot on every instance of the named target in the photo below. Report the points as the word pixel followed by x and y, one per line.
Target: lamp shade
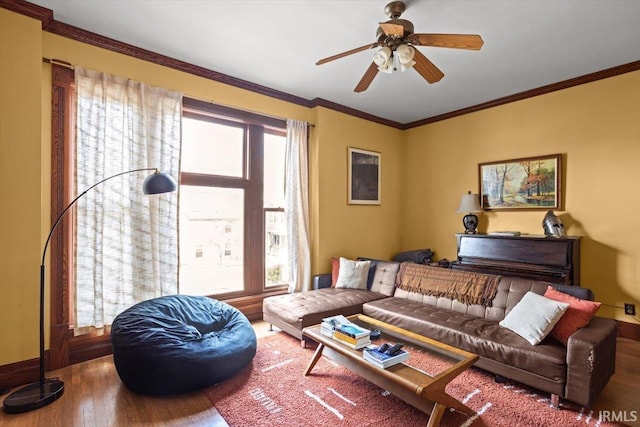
pixel 469 203
pixel 405 54
pixel 159 182
pixel 382 56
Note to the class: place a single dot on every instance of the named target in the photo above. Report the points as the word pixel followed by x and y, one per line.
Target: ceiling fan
pixel 396 40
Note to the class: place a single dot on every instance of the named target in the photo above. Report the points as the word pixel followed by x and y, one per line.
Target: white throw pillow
pixel 353 274
pixel 534 317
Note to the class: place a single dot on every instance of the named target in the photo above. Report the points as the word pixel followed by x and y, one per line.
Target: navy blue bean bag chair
pixel 179 343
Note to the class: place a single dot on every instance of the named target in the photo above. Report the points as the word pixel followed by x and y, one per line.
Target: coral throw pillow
pixel 577 316
pixel 335 270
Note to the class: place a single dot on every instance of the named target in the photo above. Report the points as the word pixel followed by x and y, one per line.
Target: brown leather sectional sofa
pixel 577 372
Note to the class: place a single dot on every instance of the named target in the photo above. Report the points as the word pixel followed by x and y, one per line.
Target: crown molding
pixel 49 24
pixel 97 40
pixel 565 84
pixel 321 102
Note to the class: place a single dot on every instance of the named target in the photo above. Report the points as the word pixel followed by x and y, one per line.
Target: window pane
pixel 212 148
pixel 274 147
pixel 275 242
pixel 211 240
pixel 275 247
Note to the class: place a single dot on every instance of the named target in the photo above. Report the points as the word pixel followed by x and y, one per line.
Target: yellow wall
pixel 424 171
pixel 354 230
pixel 595 126
pixel 21 184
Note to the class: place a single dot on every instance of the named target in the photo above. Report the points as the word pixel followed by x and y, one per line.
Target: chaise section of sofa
pixel 294 312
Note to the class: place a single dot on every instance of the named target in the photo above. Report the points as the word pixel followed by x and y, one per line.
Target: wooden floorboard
pixel 94 396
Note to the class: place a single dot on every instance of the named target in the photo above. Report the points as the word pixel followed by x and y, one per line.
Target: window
pixel 231 202
pixel 230 177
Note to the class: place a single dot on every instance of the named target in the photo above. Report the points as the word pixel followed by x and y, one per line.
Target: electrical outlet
pixel 629 309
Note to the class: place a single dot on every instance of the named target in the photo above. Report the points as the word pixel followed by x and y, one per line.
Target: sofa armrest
pixel 322 281
pixel 591 360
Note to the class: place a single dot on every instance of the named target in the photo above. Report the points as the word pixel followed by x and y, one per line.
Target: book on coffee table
pixel 348 331
pixel 354 331
pixel 355 343
pixel 383 360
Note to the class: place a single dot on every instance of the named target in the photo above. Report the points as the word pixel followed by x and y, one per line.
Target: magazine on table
pixel 344 326
pixel 382 359
pixel 330 324
pixel 334 322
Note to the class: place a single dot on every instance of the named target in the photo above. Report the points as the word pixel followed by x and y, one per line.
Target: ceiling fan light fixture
pixel 405 54
pixel 381 57
pixel 387 67
pixel 397 43
pixel 405 67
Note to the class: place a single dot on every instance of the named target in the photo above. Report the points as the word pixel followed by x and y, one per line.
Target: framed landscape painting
pixel 363 177
pixel 532 183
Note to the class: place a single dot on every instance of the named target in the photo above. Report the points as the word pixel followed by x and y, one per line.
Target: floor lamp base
pixel 33 396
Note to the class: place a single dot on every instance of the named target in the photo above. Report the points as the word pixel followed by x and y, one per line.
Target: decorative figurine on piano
pixel 553 225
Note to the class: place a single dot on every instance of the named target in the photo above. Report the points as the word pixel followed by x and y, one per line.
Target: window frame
pixel 65 347
pixel 255 127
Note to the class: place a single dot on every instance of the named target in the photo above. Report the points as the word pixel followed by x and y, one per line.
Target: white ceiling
pixel 527 44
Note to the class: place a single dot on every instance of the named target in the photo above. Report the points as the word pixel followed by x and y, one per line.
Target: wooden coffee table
pixel 414 386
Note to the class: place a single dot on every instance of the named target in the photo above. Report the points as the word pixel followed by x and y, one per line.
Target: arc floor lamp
pixel 45 391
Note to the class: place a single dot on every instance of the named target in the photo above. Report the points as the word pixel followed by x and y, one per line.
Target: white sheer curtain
pixel 297 205
pixel 126 243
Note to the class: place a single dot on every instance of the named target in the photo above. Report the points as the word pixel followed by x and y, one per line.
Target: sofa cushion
pixel 578 315
pixel 384 279
pixel 478 335
pixel 353 274
pixel 510 292
pixel 534 317
pixel 309 308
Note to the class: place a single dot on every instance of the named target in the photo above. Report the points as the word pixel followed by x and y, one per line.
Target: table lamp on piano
pixel 469 203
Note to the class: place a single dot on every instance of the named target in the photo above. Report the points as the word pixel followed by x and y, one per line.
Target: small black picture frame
pixel 364 177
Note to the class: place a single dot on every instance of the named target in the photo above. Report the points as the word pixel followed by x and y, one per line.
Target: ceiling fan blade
pixel 368 77
pixel 426 68
pixel 349 52
pixel 456 41
pixel 393 30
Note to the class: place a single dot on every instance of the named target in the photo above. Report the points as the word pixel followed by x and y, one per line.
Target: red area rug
pixel 272 391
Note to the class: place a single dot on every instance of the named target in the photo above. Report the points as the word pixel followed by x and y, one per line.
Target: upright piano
pixel 550 259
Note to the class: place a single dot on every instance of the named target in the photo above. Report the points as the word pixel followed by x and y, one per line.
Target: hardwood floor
pixel 95 396
pixel 622 393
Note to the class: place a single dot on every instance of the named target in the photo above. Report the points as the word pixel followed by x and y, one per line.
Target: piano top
pixel 550 258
